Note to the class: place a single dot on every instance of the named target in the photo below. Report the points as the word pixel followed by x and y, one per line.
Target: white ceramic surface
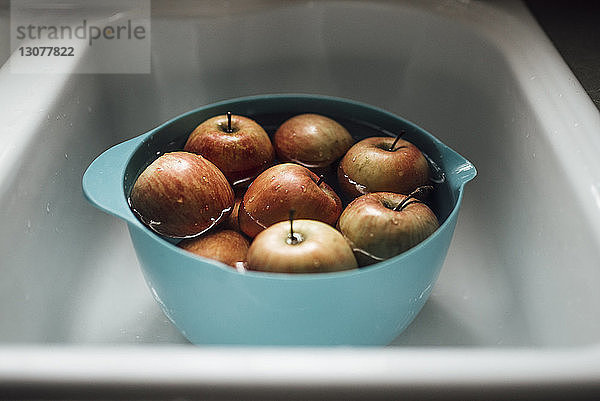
pixel 517 299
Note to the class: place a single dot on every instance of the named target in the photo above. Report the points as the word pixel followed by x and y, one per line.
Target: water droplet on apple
pixel 277 187
pixel 267 207
pixel 204 178
pixel 286 191
pixel 272 178
pixel 354 159
pixel 206 207
pixel 395 221
pixel 303 188
pixel 180 199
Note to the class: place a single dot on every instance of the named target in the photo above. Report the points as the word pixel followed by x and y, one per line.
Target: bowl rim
pixel 468 169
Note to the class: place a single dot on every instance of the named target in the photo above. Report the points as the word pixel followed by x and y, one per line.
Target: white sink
pixel 516 304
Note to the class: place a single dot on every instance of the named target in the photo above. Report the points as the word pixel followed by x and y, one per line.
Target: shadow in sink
pixel 433 320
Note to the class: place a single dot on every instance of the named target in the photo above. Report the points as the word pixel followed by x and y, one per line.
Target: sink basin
pixel 515 305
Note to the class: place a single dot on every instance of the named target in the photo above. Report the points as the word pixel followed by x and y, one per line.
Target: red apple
pixel 237 145
pixel 226 246
pixel 311 140
pixel 181 195
pixel 313 247
pixel 374 165
pixel 376 231
pixel 281 188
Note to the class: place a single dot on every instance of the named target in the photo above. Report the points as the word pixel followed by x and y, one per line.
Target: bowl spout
pixel 465 172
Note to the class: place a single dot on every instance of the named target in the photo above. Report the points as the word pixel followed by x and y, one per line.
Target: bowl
pixel 211 303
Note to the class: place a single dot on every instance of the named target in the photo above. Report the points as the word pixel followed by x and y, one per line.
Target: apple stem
pixel 417 195
pixel 321 178
pixel 401 134
pixel 229 122
pixel 291 237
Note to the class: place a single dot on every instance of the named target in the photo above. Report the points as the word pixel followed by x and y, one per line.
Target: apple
pixel 312 140
pixel 380 225
pixel 382 164
pixel 226 246
pixel 281 188
pixel 181 195
pixel 237 145
pixel 310 246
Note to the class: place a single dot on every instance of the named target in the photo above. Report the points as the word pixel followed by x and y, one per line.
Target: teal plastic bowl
pixel 212 303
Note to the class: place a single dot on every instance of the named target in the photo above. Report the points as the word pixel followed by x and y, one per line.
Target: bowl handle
pixel 103 180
